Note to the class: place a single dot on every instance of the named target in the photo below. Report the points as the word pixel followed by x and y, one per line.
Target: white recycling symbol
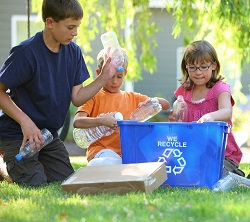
pixel 176 154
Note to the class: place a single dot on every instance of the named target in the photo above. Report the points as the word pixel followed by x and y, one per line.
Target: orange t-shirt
pixel 104 102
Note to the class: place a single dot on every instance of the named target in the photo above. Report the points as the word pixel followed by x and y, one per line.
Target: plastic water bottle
pixel 230 181
pixel 148 109
pixel 25 152
pixel 180 109
pixel 110 42
pixel 85 137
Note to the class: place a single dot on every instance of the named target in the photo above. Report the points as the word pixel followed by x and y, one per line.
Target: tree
pixel 224 23
pixel 107 15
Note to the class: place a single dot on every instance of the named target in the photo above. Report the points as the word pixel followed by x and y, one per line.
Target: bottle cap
pixel 118 116
pixel 120 69
pixel 180 98
pixel 154 100
pixel 18 157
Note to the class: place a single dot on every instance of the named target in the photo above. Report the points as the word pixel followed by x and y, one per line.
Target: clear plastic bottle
pixel 148 109
pixel 84 137
pixel 110 42
pixel 230 181
pixel 25 152
pixel 180 109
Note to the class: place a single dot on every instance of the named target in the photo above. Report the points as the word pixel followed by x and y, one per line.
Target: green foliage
pixel 106 15
pixel 224 23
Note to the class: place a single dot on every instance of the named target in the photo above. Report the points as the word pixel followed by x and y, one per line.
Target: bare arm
pixel 81 120
pixel 224 112
pixel 81 94
pixel 29 129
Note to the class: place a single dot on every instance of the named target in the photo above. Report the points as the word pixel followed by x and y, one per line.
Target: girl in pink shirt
pixel 207 96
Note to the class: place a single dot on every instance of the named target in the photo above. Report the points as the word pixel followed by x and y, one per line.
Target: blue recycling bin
pixel 192 152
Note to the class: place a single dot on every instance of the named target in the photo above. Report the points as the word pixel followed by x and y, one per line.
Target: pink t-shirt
pixel 210 104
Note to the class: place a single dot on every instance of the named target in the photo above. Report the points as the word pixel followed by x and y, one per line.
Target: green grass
pixel 49 203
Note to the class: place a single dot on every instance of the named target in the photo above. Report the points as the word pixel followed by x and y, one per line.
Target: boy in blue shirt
pixel 39 79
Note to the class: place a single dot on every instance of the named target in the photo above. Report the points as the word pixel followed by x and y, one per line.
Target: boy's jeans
pixel 105 157
pixel 50 164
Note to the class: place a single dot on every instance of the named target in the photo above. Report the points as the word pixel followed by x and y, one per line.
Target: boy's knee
pixel 22 174
pixel 102 161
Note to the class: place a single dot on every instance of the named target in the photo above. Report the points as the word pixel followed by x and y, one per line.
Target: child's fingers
pixel 107 54
pixel 171 117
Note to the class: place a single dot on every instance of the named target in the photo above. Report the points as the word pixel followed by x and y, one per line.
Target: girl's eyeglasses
pixel 201 68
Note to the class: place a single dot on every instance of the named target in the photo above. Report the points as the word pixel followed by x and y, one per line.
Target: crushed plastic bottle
pixel 110 42
pixel 230 181
pixel 147 110
pixel 25 152
pixel 85 137
pixel 180 109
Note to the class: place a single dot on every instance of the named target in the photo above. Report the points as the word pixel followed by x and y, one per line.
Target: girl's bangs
pixel 198 57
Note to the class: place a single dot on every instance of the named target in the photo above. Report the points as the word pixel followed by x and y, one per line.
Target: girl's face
pixel 200 72
pixel 114 84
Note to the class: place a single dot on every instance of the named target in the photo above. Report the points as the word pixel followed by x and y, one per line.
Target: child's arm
pixel 81 94
pixel 81 120
pixel 164 103
pixel 29 128
pixel 224 112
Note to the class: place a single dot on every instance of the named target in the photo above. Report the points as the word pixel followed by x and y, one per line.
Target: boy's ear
pixel 98 71
pixel 49 22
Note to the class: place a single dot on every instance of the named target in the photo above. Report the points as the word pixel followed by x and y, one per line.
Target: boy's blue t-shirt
pixel 40 83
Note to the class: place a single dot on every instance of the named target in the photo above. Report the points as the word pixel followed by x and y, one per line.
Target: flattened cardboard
pixel 121 179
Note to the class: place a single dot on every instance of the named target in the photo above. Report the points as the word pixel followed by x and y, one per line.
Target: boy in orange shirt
pixel 107 151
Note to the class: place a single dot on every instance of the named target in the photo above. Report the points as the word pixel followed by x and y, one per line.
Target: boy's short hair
pixel 61 9
pixel 101 56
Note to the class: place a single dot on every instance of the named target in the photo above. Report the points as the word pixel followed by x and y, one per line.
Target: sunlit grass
pixel 49 203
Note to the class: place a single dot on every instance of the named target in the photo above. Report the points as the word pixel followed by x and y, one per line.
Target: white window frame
pixel 14 20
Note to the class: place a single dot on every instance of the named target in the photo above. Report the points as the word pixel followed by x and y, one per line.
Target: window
pixel 19 30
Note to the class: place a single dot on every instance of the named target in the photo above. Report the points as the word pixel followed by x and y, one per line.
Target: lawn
pixel 49 203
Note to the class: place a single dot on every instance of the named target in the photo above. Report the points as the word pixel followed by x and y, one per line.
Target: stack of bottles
pixel 85 137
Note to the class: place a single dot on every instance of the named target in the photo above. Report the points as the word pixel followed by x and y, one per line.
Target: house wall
pixel 245 80
pixel 164 81
pixel 7 9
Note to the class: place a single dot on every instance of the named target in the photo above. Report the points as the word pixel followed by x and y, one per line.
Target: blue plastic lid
pixel 18 157
pixel 120 69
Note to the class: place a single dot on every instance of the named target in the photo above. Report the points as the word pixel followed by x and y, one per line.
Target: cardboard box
pixel 121 179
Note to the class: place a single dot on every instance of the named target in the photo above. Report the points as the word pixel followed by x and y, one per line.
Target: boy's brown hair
pixel 61 9
pixel 199 51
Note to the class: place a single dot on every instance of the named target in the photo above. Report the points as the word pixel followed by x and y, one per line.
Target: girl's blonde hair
pixel 199 51
pixel 101 56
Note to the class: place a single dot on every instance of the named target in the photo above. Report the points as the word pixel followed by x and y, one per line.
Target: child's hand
pixel 108 70
pixel 147 102
pixel 206 118
pixel 33 134
pixel 171 117
pixel 108 120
